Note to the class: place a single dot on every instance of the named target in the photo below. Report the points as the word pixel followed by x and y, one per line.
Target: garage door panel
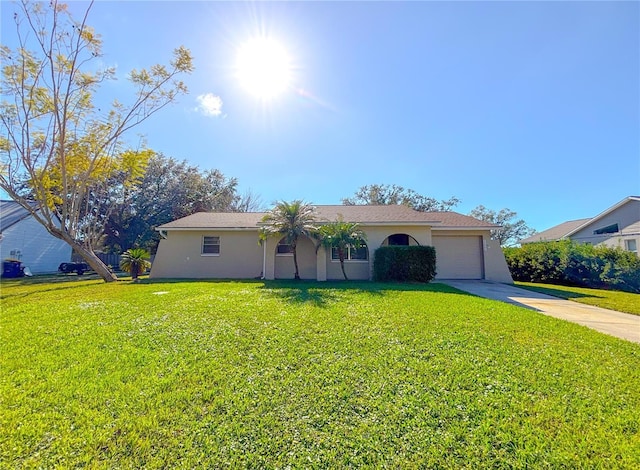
pixel 459 257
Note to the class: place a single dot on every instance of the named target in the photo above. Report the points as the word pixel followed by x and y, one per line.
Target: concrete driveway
pixel 621 325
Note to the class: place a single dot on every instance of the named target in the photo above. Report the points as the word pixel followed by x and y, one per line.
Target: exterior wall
pixel 376 236
pixel 356 269
pixel 179 256
pixel 306 255
pixel 40 251
pixel 495 265
pixel 241 257
pixel 626 216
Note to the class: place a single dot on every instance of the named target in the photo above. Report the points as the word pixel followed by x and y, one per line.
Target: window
pixel 210 245
pixel 631 245
pixel 399 239
pixel 352 254
pixel 613 228
pixel 284 248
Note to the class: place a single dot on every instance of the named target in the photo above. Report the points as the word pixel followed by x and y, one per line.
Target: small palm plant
pixel 341 235
pixel 290 220
pixel 135 261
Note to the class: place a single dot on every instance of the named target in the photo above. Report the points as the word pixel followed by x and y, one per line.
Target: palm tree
pixel 290 220
pixel 342 235
pixel 135 261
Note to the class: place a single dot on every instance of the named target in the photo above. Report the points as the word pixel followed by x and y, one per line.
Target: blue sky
pixel 534 106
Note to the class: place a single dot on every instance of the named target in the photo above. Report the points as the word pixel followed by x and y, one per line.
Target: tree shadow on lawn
pixel 319 293
pixel 559 292
pixel 58 281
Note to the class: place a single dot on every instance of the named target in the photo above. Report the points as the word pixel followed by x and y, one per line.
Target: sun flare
pixel 263 68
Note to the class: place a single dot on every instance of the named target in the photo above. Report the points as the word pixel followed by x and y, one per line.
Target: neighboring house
pixel 25 239
pixel 618 227
pixel 225 245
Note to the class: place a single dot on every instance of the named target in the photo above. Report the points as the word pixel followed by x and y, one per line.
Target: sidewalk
pixel 611 322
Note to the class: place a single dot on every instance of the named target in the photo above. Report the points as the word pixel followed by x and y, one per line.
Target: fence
pixel 110 259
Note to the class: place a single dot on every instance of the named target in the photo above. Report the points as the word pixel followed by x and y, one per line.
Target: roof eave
pixel 208 227
pixel 601 215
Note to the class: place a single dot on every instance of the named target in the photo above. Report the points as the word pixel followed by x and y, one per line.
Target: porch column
pixel 270 258
pixel 321 264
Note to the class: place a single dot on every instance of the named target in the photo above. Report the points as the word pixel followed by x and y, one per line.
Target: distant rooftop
pixel 10 214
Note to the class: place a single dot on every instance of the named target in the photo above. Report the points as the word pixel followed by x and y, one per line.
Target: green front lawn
pixel 305 375
pixel 613 299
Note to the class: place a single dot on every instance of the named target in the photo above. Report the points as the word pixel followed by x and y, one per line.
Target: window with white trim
pixel 210 245
pixel 631 245
pixel 352 254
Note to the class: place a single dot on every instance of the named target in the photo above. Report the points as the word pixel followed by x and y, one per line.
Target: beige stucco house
pixel 225 245
pixel 616 227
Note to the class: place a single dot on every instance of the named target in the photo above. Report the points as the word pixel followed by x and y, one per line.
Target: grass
pixel 612 299
pixel 305 375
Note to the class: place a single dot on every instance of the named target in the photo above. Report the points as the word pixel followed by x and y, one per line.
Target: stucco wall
pixel 356 269
pixel 241 257
pixel 306 255
pixel 627 217
pixel 179 256
pixel 40 251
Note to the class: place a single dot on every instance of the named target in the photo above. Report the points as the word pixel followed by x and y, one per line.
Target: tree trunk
pixel 295 263
pixel 344 273
pixel 92 260
pixel 295 259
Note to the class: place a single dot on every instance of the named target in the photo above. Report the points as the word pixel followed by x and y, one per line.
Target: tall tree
pixel 57 148
pixel 342 236
pixel 169 190
pixel 248 202
pixel 387 194
pixel 512 229
pixel 290 220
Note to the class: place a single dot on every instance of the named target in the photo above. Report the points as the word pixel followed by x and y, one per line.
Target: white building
pixel 25 239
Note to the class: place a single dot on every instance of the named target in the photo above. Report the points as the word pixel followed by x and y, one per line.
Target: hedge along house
pixel 225 245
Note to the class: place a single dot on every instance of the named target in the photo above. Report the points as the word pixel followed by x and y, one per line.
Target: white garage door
pixel 459 257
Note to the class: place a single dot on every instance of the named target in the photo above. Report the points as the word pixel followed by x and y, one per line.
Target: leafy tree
pixel 385 194
pixel 290 220
pixel 169 190
pixel 341 235
pixel 58 150
pixel 135 261
pixel 512 229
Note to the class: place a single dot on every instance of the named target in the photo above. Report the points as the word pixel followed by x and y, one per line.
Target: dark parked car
pixel 79 268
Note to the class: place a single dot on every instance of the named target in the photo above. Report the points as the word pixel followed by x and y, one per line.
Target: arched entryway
pixel 306 255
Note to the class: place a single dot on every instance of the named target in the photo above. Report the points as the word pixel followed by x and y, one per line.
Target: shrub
pixel 135 261
pixel 569 263
pixel 404 263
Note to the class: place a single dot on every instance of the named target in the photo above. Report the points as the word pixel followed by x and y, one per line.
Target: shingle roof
pixel 555 233
pixel 566 229
pixel 366 215
pixel 10 214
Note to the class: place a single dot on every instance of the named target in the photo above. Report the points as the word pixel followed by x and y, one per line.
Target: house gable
pixel 618 226
pixel 24 238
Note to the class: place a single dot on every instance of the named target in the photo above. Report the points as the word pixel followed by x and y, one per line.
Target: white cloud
pixel 209 104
